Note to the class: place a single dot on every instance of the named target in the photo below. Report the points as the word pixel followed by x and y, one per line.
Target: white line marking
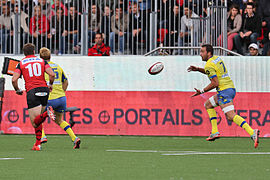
pixel 119 150
pixel 216 153
pixel 146 151
pixel 10 158
pixel 184 153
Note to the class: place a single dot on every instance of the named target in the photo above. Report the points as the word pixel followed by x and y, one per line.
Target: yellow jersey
pixel 215 67
pixel 60 77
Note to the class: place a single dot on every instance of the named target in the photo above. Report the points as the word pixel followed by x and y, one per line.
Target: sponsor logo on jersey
pixel 29 60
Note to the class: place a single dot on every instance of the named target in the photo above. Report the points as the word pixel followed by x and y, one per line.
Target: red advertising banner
pixel 158 113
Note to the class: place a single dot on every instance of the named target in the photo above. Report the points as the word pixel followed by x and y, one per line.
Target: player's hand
pixel 198 92
pixel 19 92
pixel 192 68
pixel 50 87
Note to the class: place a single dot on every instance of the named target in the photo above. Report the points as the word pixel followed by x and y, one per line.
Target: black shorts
pixel 37 96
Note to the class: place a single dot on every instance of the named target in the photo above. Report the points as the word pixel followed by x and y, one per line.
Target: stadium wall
pixel 117 96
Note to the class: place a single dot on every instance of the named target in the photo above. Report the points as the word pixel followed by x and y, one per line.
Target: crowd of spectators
pixel 125 25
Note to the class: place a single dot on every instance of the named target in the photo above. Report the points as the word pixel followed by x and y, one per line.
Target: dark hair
pixel 29 49
pixel 133 3
pixel 209 48
pixel 236 6
pixel 119 6
pixel 61 9
pixel 189 6
pixel 99 33
pixel 250 4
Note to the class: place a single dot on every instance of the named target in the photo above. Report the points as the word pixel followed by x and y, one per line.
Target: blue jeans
pixel 238 41
pixel 121 41
pixel 5 38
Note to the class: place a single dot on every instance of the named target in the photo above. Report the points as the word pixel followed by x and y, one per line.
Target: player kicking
pixel 33 69
pixel 217 72
pixel 57 98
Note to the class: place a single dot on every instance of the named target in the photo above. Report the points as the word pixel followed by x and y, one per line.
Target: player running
pixel 57 98
pixel 33 69
pixel 217 72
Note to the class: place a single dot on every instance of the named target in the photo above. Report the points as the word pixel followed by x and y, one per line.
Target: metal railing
pixel 196 50
pixel 128 27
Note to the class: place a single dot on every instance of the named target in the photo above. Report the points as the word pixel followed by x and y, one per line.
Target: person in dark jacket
pixel 250 30
pixel 264 13
pixel 99 49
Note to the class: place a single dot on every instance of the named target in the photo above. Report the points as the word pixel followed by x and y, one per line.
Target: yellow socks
pixel 43 133
pixel 243 124
pixel 64 125
pixel 213 118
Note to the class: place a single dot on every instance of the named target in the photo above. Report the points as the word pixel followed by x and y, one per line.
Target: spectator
pixel 39 28
pixel 239 3
pixel 94 22
pixel 27 7
pixel 266 47
pixel 99 49
pixel 106 24
pixel 145 5
pixel 24 29
pixel 73 31
pixel 264 13
pixel 251 26
pixel 234 24
pixel 56 5
pixel 188 29
pixel 58 30
pixel 80 5
pixel 255 5
pixel 174 26
pixel 253 50
pixel 163 13
pixel 119 24
pixel 45 8
pixel 137 22
pixel 113 4
pixel 6 28
pixel 2 2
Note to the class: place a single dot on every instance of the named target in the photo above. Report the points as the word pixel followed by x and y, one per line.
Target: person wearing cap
pixel 253 50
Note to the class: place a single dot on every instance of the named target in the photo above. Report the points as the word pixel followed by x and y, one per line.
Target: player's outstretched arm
pixel 214 84
pixel 15 78
pixel 195 68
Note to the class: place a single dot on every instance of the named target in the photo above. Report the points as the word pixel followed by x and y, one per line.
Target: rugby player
pixel 57 98
pixel 33 69
pixel 217 72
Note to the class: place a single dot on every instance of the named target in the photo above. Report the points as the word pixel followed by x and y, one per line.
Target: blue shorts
pixel 226 96
pixel 59 104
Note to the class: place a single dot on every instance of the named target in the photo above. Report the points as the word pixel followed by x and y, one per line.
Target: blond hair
pixel 45 53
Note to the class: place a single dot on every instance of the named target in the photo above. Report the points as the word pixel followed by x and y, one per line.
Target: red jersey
pixel 99 51
pixel 32 68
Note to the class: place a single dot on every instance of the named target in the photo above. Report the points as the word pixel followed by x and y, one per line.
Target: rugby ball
pixel 156 68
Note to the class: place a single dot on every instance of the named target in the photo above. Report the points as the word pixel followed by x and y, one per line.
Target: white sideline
pixel 216 153
pixel 10 158
pixel 183 153
pixel 145 151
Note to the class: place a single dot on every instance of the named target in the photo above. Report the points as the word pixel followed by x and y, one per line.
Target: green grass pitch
pixel 134 158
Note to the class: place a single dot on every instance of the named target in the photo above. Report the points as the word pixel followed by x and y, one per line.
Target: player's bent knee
pixel 213 102
pixel 229 112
